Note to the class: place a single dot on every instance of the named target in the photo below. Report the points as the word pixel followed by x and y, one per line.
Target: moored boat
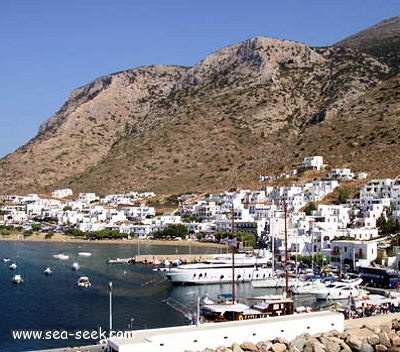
pixel 13 266
pixel 263 307
pixel 61 256
pixel 48 271
pixel 130 260
pixel 83 281
pixel 219 269
pixel 335 290
pixel 84 254
pixel 75 266
pixel 17 279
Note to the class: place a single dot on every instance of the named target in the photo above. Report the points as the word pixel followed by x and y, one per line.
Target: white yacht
pixel 13 266
pixel 246 267
pixel 335 290
pixel 75 266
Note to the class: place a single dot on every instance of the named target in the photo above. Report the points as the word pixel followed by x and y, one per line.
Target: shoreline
pixel 59 238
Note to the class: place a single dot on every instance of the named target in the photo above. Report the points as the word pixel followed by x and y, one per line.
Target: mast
pixel 286 251
pixel 233 254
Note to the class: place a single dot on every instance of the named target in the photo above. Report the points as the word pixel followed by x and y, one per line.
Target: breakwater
pixel 373 334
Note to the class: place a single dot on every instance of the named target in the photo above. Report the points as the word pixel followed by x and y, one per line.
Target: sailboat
pixel 228 308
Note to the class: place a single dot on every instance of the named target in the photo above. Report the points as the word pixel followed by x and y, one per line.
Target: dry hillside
pixel 255 107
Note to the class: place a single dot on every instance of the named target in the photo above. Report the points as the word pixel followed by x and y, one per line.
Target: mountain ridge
pixel 254 107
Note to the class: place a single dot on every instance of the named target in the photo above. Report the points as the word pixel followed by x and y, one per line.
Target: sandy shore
pixel 63 238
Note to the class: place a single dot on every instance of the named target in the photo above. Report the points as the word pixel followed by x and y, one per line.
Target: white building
pixel 341 174
pixel 353 253
pixel 62 193
pixel 313 162
pixel 139 212
pixel 87 197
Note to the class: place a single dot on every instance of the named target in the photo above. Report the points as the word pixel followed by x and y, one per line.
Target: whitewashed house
pixel 362 233
pixel 313 162
pixel 205 209
pixel 87 197
pixel 62 193
pixel 353 253
pixel 341 174
pixel 139 212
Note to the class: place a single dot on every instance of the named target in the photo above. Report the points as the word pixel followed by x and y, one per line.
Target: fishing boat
pixel 17 279
pixel 75 266
pixel 48 271
pixel 6 260
pixel 13 266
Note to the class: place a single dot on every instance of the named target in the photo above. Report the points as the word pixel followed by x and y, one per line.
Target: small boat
pixel 48 271
pixel 83 281
pixel 84 254
pixel 6 260
pixel 75 266
pixel 17 279
pixel 218 311
pixel 13 266
pixel 61 256
pixel 121 260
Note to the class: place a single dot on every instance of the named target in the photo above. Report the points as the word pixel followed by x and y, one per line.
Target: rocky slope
pixel 255 107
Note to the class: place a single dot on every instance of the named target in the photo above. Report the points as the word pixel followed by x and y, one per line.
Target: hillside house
pixel 87 197
pixel 313 163
pixel 341 174
pixel 62 193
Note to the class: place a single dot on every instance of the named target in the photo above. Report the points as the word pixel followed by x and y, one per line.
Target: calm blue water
pixel 55 302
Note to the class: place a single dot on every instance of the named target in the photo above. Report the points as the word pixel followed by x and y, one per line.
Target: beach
pixel 57 237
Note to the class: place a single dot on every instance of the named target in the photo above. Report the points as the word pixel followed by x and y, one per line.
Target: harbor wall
pixel 213 335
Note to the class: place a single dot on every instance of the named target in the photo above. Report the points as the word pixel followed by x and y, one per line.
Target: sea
pixel 62 312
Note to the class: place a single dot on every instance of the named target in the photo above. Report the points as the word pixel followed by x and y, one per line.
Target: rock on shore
pixel 363 338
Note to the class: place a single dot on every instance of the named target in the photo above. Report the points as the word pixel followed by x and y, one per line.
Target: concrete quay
pixel 157 259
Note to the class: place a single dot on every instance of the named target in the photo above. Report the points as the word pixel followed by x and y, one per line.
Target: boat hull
pixel 216 276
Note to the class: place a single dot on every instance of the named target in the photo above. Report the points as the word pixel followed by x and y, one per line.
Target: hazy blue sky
pixel 50 47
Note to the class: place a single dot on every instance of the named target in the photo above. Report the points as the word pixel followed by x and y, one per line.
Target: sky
pixel 50 47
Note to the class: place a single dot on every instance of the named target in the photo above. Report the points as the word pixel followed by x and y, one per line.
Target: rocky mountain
pixel 255 107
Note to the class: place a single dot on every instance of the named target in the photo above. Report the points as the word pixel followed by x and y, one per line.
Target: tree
pixel 36 227
pixel 344 194
pixel 171 231
pixel 310 207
